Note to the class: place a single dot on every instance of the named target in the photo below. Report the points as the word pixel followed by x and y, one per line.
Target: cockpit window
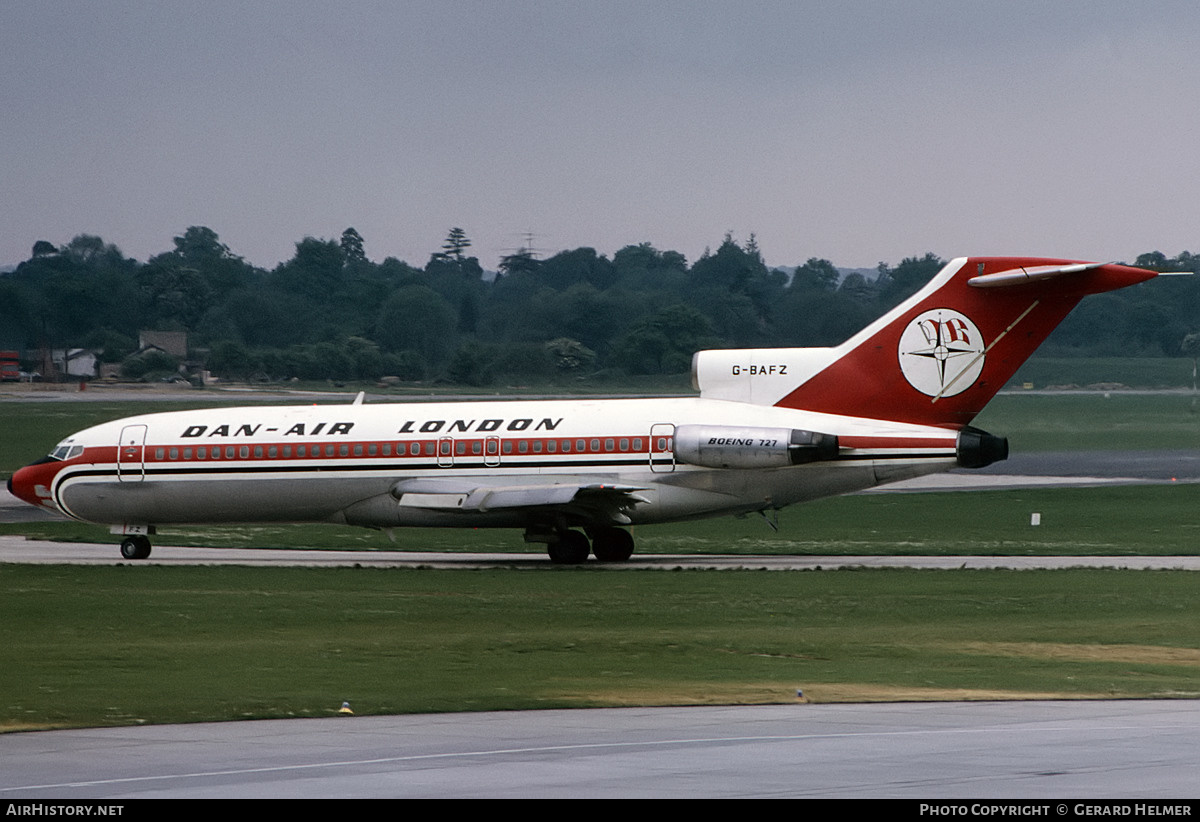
pixel 66 452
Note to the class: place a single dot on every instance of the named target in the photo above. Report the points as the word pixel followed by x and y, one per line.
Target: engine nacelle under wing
pixel 729 446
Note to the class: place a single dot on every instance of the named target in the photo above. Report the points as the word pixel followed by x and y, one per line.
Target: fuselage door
pixel 662 447
pixel 491 451
pixel 131 466
pixel 445 452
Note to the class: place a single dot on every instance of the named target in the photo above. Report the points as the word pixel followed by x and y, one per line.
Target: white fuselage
pixel 385 465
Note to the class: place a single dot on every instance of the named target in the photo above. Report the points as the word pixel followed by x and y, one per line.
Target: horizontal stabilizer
pixel 1029 274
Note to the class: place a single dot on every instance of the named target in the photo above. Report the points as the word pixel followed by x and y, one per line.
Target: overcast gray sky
pixel 855 131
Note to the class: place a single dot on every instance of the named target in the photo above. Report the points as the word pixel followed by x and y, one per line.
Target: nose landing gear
pixel 135 547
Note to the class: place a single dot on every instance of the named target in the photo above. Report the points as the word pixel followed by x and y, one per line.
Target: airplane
pixel 770 428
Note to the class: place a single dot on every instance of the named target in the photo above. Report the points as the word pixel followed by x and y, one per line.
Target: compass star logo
pixel 941 353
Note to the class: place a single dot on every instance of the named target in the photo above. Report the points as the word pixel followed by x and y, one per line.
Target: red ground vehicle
pixel 10 366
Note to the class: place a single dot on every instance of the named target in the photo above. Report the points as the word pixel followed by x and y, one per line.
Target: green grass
pixel 91 646
pixel 1136 372
pixel 1155 520
pixel 1076 422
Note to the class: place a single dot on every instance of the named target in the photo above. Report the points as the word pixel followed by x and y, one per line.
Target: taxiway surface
pixel 20 550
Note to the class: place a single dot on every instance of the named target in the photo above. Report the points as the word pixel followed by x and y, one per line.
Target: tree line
pixel 329 312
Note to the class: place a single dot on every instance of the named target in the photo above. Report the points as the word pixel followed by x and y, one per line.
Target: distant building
pixel 172 342
pixel 75 362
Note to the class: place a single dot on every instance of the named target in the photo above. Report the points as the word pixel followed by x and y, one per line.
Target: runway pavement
pixel 986 750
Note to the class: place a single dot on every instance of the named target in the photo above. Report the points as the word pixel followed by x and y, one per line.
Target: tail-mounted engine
pixel 976 449
pixel 729 446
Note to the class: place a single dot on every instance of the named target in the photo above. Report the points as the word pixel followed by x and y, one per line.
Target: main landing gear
pixel 611 544
pixel 570 547
pixel 135 547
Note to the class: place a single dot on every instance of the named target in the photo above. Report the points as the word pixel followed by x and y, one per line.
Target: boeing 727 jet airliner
pixel 771 427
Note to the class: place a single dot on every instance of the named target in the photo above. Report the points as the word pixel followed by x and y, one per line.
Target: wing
pixel 593 501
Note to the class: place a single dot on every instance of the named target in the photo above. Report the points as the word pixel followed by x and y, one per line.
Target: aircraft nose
pixel 31 484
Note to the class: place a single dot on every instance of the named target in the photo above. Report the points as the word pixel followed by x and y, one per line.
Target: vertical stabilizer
pixel 937 358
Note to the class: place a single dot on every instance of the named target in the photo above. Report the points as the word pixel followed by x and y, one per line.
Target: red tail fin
pixel 944 353
pixel 937 358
